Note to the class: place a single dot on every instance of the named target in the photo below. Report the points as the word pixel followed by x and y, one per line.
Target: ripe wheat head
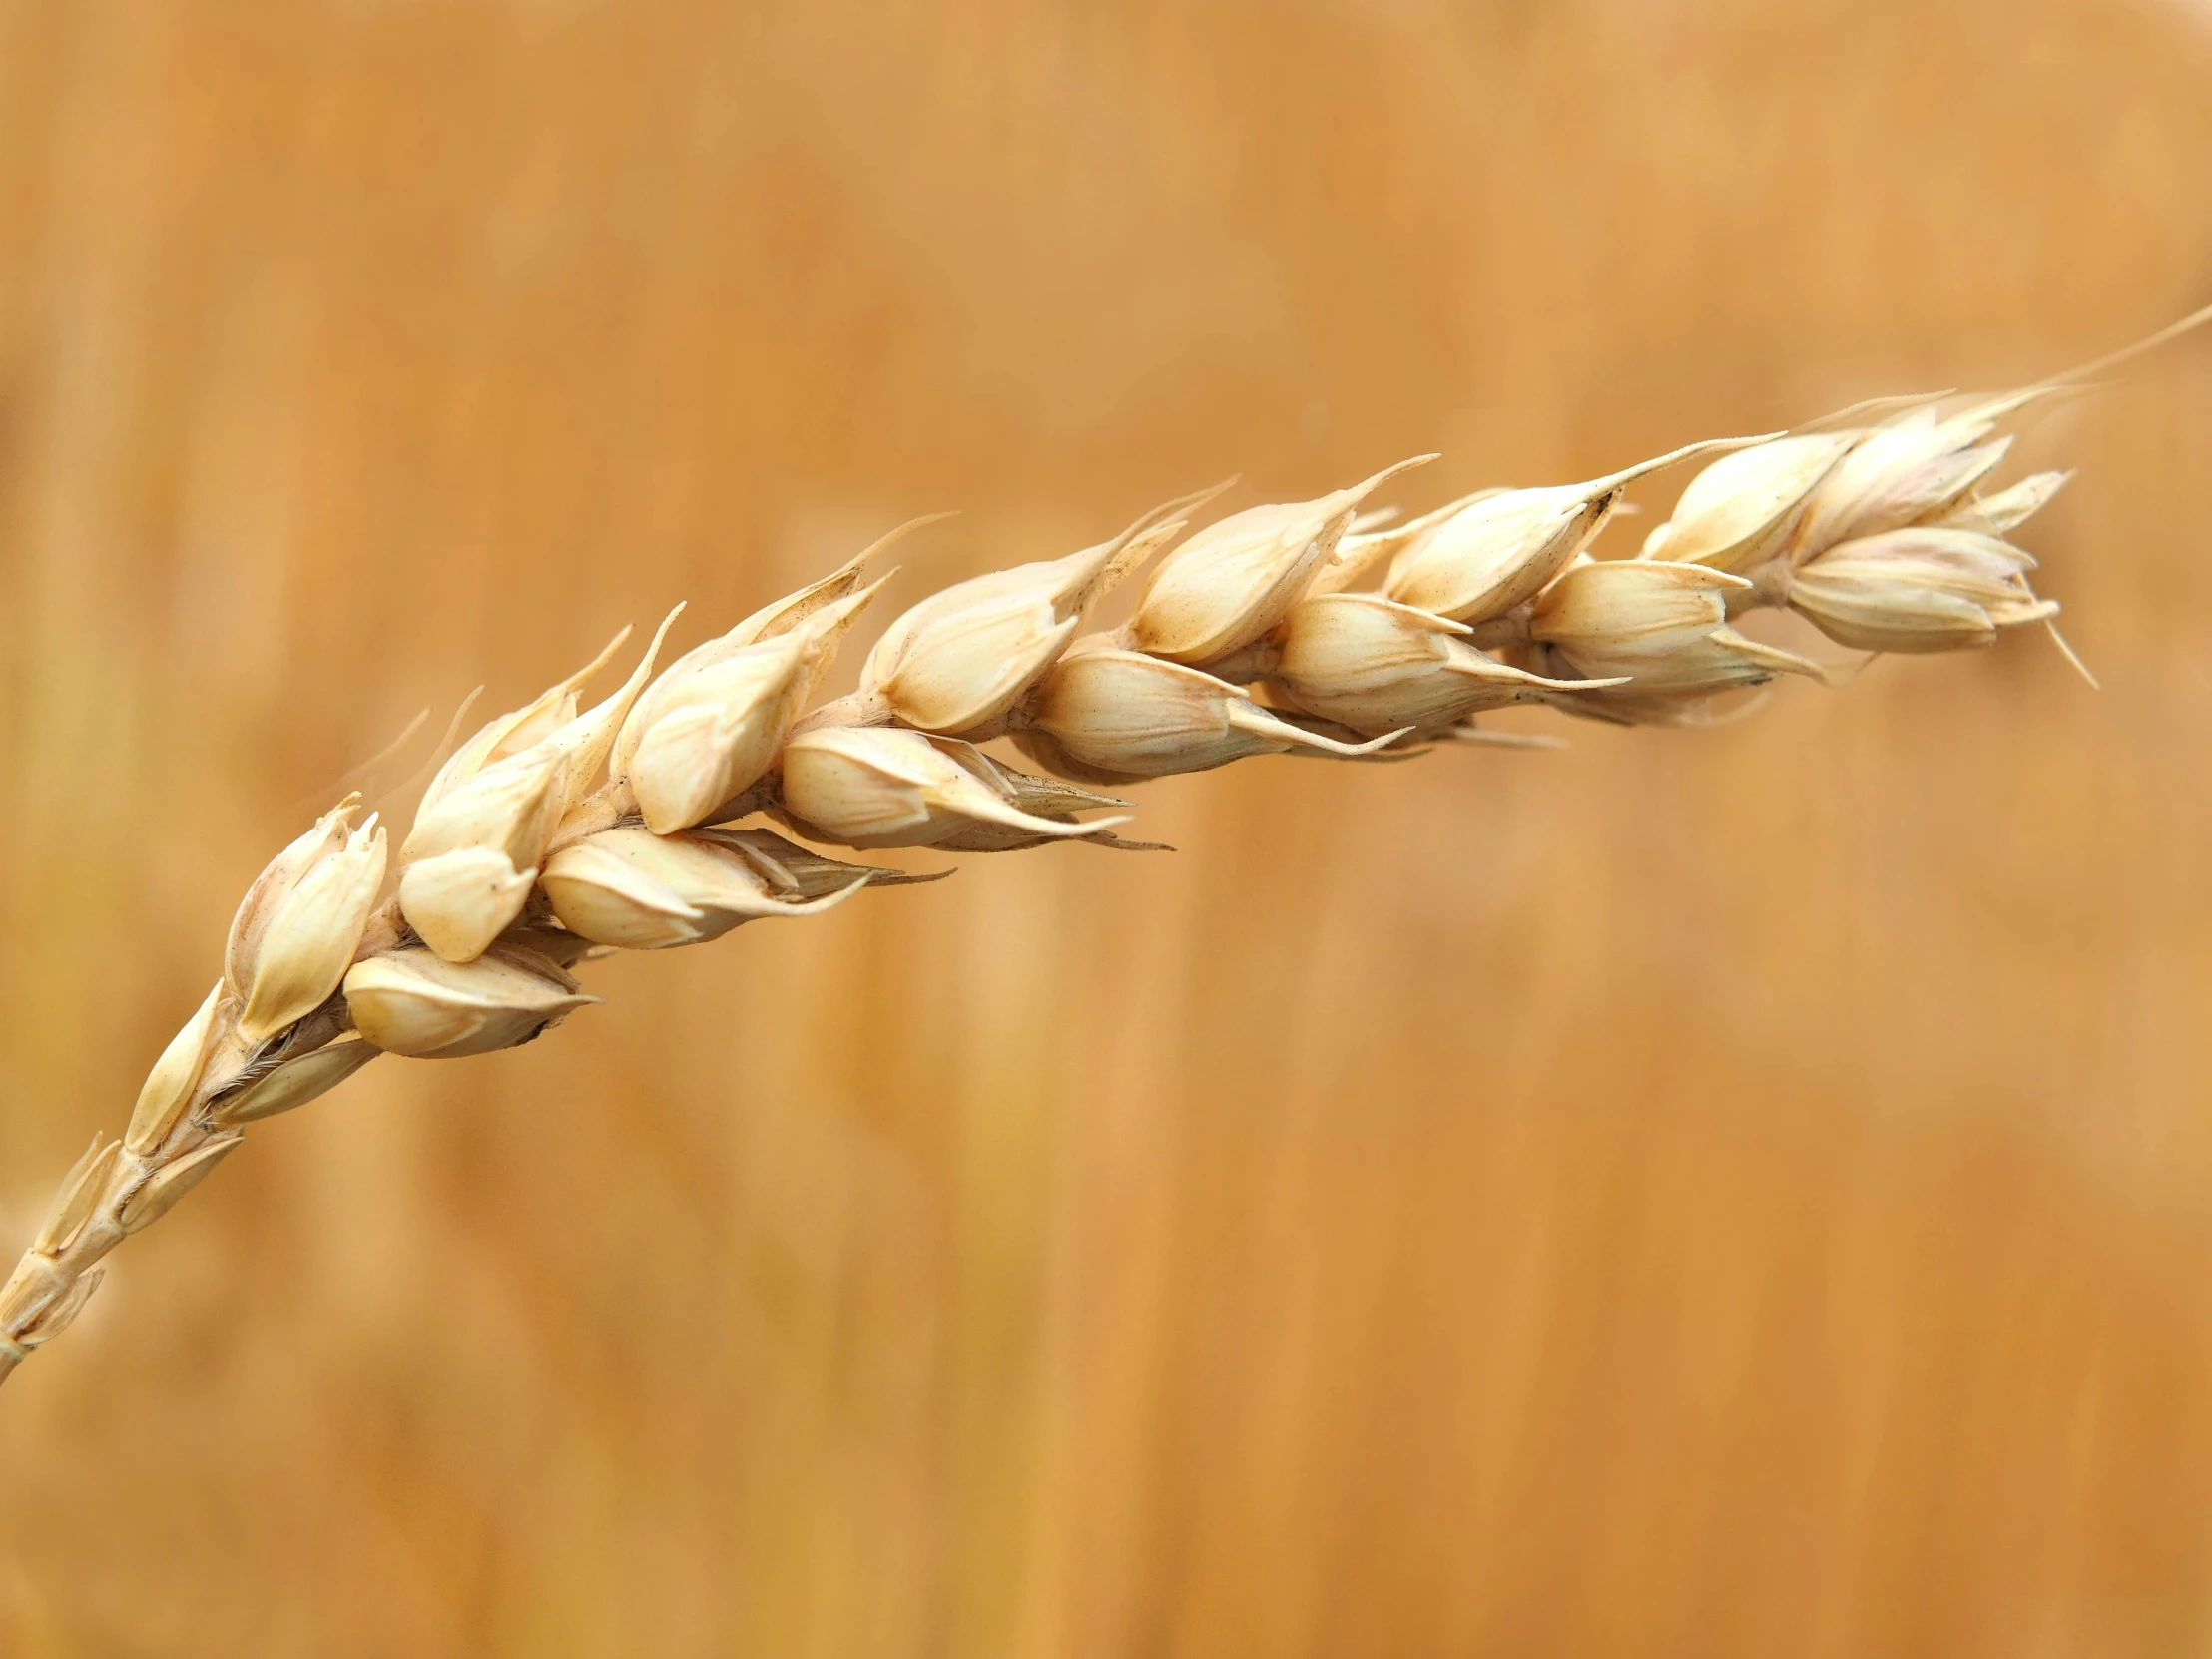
pixel 558 833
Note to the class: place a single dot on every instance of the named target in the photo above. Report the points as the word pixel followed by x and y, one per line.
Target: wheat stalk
pixel 554 833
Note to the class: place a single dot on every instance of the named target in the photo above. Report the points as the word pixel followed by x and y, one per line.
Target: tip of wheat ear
pixel 556 833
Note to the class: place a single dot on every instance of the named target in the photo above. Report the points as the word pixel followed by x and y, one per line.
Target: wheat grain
pixel 553 831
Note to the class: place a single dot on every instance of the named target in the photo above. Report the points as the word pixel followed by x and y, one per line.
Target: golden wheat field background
pixel 1720 1194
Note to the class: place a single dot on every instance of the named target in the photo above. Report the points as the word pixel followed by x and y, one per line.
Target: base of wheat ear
pixel 557 833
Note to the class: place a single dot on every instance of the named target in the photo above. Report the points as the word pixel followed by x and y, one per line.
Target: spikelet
pixel 1663 626
pixel 873 787
pixel 1380 536
pixel 459 901
pixel 710 725
pixel 959 660
pixel 301 921
pixel 472 857
pixel 61 1312
pixel 1738 511
pixel 1798 495
pixel 79 1193
pixel 1618 617
pixel 414 1002
pixel 1496 550
pixel 1231 582
pixel 1110 713
pixel 1373 666
pixel 636 890
pixel 169 1086
pixel 170 1182
pixel 1919 590
pixel 294 1082
pixel 271 888
pixel 468 864
pixel 1916 467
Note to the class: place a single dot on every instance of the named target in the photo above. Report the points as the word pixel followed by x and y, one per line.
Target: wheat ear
pixel 555 832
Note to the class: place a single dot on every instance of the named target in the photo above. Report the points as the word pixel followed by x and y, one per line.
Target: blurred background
pixel 1724 1192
